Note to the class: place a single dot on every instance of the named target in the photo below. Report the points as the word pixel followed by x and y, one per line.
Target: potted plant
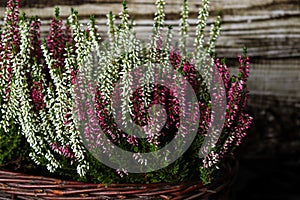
pixel 149 119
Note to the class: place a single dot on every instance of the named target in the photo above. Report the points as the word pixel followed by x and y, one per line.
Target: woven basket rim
pixel 23 186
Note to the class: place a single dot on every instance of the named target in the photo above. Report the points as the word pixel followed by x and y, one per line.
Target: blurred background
pixel 270 29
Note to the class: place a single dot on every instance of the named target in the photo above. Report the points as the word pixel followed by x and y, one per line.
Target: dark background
pixel 270 156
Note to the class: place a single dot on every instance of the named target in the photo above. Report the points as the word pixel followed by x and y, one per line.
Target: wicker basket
pixel 21 186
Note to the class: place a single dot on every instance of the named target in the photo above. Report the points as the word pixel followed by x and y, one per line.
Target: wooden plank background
pixel 270 29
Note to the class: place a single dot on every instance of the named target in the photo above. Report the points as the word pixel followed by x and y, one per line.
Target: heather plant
pixel 9 129
pixel 73 96
pixel 35 86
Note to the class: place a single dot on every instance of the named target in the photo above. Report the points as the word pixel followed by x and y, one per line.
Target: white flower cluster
pixel 55 121
pixel 30 121
pixel 7 52
pixel 203 56
pixel 184 26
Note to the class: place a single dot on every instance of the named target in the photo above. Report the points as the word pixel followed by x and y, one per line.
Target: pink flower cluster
pixel 35 38
pixel 237 121
pixel 58 37
pixel 65 151
pixel 37 96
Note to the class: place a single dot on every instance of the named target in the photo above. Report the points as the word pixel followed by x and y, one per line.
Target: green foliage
pixel 10 143
pixel 14 150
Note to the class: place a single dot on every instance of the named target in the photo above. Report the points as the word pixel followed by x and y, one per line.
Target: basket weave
pixel 21 186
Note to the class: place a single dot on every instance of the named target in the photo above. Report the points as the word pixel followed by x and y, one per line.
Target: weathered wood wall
pixel 270 29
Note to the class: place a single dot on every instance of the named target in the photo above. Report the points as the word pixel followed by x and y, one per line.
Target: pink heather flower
pixel 35 36
pixel 37 96
pixel 237 122
pixel 175 58
pixel 236 135
pixel 57 39
pixel 225 73
pixel 211 159
pixel 73 75
pixel 237 94
pixel 65 151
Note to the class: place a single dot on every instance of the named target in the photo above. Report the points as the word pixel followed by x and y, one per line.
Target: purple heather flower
pixel 65 151
pixel 37 96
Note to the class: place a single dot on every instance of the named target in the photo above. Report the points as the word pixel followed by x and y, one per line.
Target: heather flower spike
pixel 9 46
pixel 184 26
